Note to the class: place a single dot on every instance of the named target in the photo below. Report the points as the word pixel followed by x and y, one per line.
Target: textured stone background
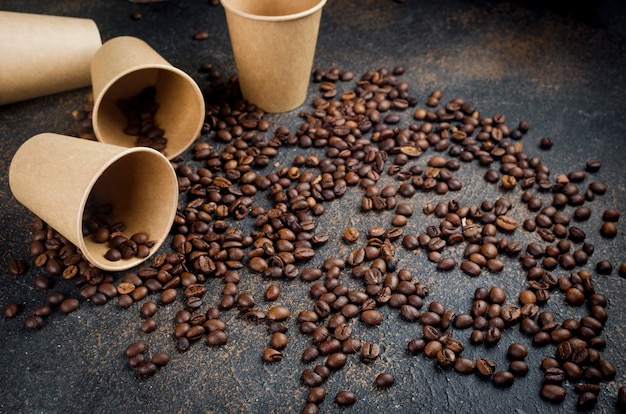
pixel 559 69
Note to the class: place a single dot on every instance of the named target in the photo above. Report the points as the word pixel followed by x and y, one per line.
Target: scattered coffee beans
pixel 366 148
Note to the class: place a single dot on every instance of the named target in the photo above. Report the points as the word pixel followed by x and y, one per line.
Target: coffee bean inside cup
pixel 140 111
pixel 101 228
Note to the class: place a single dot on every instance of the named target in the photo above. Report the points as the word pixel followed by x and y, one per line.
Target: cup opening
pixel 139 188
pixel 180 114
pixel 273 10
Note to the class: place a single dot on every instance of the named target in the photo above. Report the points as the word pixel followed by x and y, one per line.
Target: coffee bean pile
pixel 98 224
pixel 364 134
pixel 140 111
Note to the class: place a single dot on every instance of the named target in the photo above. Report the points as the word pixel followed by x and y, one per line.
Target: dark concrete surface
pixel 559 68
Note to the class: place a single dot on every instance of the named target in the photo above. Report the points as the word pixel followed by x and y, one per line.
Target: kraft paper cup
pixel 273 44
pixel 122 68
pixel 42 55
pixel 55 176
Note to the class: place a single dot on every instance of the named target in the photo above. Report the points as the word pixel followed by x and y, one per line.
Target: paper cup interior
pixel 142 189
pixel 181 107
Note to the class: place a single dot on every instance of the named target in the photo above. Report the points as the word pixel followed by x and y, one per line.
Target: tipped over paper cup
pixel 42 55
pixel 122 69
pixel 59 178
pixel 273 43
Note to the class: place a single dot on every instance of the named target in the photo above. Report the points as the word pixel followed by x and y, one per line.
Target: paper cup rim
pixel 282 18
pixel 126 264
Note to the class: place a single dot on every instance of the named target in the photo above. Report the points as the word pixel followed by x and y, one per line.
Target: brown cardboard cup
pixel 273 43
pixel 122 68
pixel 42 55
pixel 55 176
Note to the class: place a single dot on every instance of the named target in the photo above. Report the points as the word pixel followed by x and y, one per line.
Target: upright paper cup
pixel 55 175
pixel 122 68
pixel 273 43
pixel 41 55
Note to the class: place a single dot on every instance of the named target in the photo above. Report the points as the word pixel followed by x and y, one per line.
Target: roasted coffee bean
pixel 446 264
pixel 310 354
pixel 503 379
pixel 446 357
pixel 430 318
pixel 311 378
pixel 11 310
pixel 149 308
pixel 506 224
pixel 409 313
pixel 611 215
pixel 125 301
pixel 316 395
pixel 351 234
pixel 529 327
pixel 608 229
pixel 554 375
pixel 33 322
pixel 336 360
pixel 278 313
pixel 517 351
pixel 182 344
pixel 553 393
pixel 148 325
pixel 135 348
pixel 42 310
pixel 43 282
pixel 607 369
pixel 17 267
pixel 195 289
pixel 485 367
pixel 492 336
pixel 518 368
pixel 415 346
pixel 370 351
pixel 592 374
pixel 160 359
pixel 464 365
pixel 604 267
pixel 146 369
pixel 272 355
pixel 621 398
pixel 136 360
pixel 371 317
pixel 342 331
pixel 593 165
pixel 384 380
pixel 586 400
pixel 546 143
pixel 345 398
pixel 69 305
pixel 541 339
pixel 309 408
pixel 329 346
pixel 463 321
pixel 576 234
pixel 470 268
pixel 216 338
